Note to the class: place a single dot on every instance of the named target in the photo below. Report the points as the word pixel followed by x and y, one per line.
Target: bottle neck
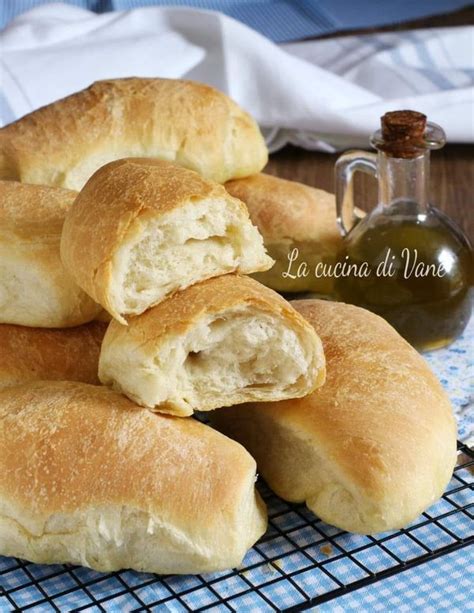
pixel 403 179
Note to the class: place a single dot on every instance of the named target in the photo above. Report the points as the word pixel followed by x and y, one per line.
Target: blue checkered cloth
pixel 446 584
pixel 279 20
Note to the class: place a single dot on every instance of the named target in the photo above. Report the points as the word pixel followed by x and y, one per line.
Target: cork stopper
pixel 403 133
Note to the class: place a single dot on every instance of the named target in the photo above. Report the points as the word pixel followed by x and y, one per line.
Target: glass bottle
pixel 406 260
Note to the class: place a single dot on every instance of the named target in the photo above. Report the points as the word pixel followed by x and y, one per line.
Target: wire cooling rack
pixel 300 562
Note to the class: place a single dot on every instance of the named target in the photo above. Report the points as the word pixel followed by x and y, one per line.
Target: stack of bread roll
pixel 101 461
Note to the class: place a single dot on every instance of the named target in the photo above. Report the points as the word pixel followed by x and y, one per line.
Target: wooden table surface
pixel 452 168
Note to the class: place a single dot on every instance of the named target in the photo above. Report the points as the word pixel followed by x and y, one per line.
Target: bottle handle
pixel 346 166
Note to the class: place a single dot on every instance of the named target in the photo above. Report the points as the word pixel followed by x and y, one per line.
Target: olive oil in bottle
pixel 406 260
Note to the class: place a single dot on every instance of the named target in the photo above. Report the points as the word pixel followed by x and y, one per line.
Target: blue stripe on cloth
pixel 378 44
pixel 280 20
pixel 398 61
pixel 11 8
pixel 430 70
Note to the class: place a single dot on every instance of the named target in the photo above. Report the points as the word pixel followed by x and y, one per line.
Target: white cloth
pixel 327 94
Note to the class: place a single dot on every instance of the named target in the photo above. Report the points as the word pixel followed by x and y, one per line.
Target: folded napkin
pixel 326 95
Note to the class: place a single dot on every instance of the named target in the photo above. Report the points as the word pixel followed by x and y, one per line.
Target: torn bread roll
pixel 142 229
pixel 373 447
pixel 221 342
pixel 87 477
pixel 41 354
pixel 190 123
pixel 35 288
pixel 293 218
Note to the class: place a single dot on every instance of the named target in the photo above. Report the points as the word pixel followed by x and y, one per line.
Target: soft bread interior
pixel 235 356
pixel 198 241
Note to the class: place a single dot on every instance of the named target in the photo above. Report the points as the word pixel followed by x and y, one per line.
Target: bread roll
pixel 221 342
pixel 36 354
pixel 87 477
pixel 372 448
pixel 290 216
pixel 190 123
pixel 142 229
pixel 35 290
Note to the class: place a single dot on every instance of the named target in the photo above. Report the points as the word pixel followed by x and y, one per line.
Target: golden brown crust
pixel 179 312
pixel 283 209
pixel 155 361
pixel 39 354
pixel 87 477
pixel 63 143
pixel 33 209
pixel 114 451
pixel 31 218
pixel 132 189
pixel 35 289
pixel 292 215
pixel 380 399
pixel 371 448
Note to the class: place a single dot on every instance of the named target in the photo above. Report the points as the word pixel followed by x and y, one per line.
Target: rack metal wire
pixel 301 559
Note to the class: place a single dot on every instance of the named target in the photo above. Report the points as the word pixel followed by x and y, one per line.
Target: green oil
pixel 420 273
